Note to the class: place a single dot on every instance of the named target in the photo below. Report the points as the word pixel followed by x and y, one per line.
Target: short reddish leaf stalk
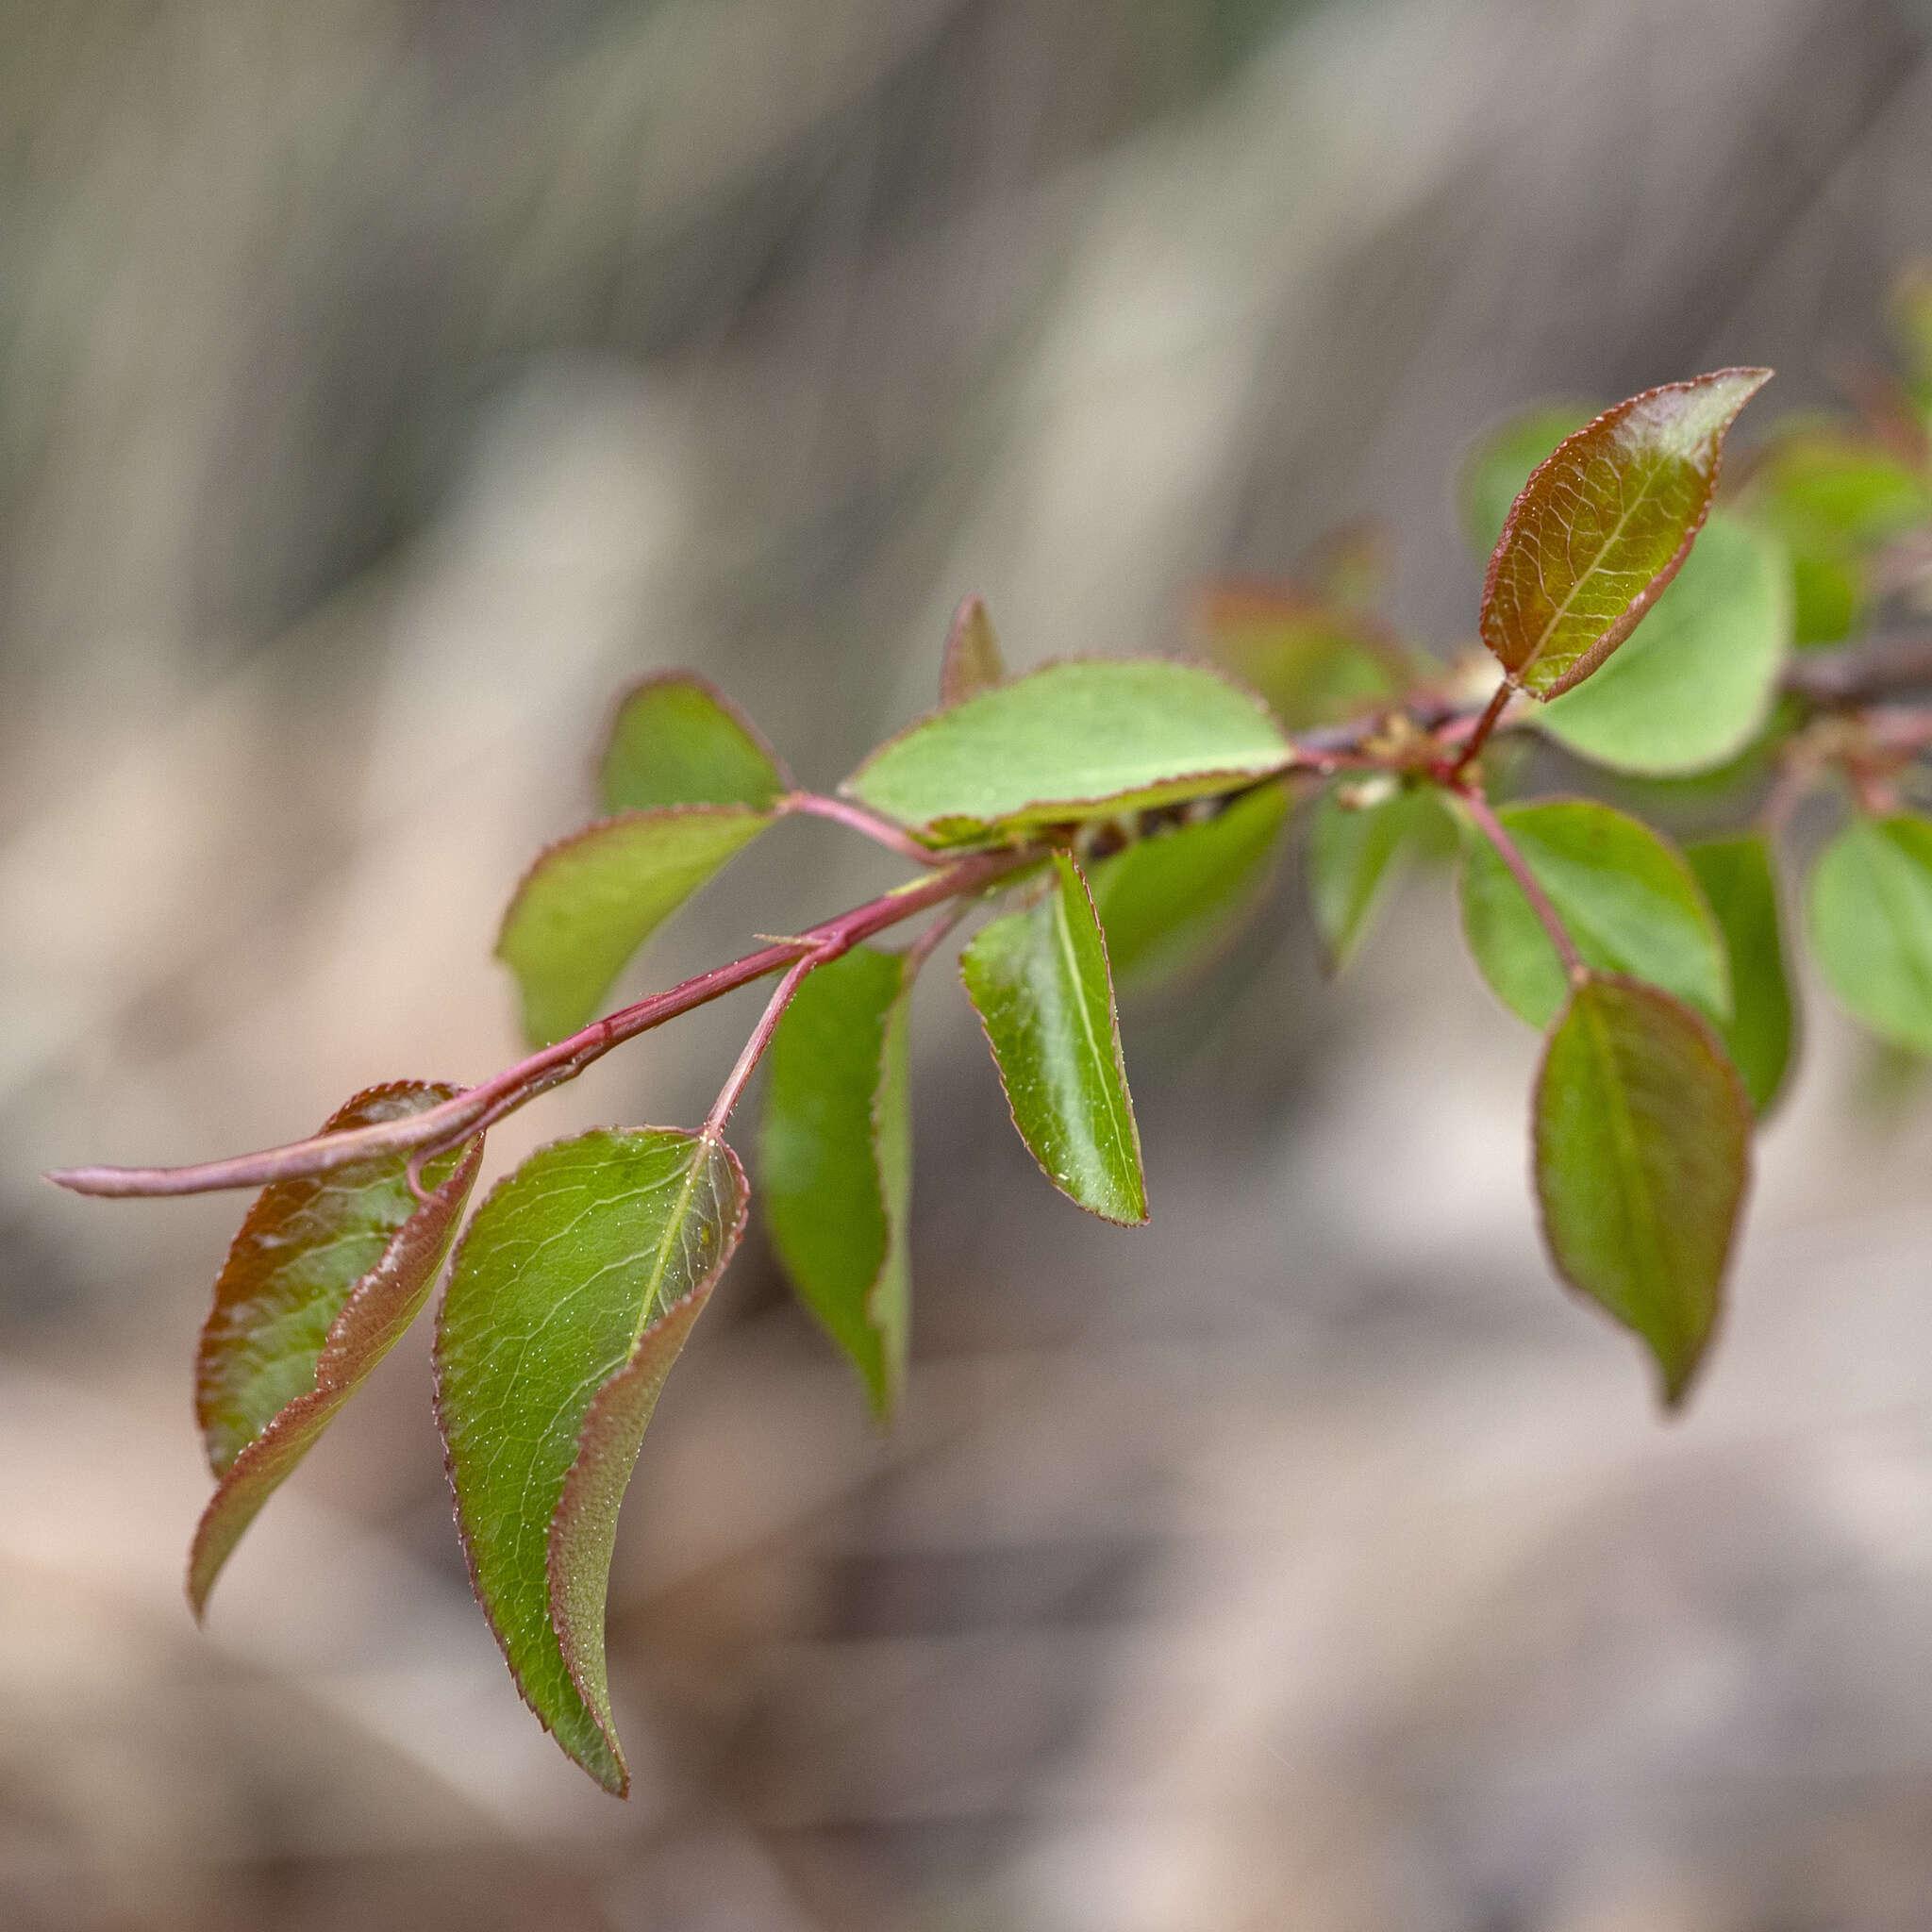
pixel 1511 854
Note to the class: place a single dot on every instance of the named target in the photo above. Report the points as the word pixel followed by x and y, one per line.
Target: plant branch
pixel 477 1107
pixel 1511 854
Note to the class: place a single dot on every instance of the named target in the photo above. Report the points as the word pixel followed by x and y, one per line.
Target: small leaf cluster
pixel 1097 826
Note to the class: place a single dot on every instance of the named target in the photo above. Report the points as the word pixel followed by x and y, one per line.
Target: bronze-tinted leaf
pixel 1603 525
pixel 972 662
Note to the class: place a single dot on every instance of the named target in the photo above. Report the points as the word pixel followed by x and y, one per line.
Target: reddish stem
pixel 855 818
pixel 1506 850
pixel 754 1047
pixel 1480 736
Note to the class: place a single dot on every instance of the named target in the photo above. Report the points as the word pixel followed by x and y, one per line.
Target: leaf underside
pixel 325 1275
pixel 572 1293
pixel 1174 896
pixel 1038 980
pixel 1603 525
pixel 1642 1135
pixel 1631 904
pixel 1870 918
pixel 676 740
pixel 1740 887
pixel 973 662
pixel 1068 741
pixel 835 1158
pixel 591 900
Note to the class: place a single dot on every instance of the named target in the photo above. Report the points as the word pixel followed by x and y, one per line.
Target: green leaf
pixel 593 899
pixel 1631 904
pixel 1174 894
pixel 1038 980
pixel 573 1291
pixel 1070 741
pixel 1871 921
pixel 1355 851
pixel 972 662
pixel 1316 663
pixel 1603 525
pixel 1696 682
pixel 676 740
pixel 1642 1157
pixel 835 1159
pixel 1740 886
pixel 1833 499
pixel 1503 459
pixel 325 1275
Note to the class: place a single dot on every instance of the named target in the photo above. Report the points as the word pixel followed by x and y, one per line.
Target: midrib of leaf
pixel 648 1308
pixel 1590 571
pixel 1640 1209
pixel 1064 935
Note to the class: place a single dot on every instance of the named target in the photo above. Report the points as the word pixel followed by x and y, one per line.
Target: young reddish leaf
pixel 1642 1157
pixel 1038 980
pixel 1603 525
pixel 972 662
pixel 1174 895
pixel 1692 687
pixel 1315 663
pixel 1629 901
pixel 1871 923
pixel 1070 741
pixel 591 900
pixel 572 1294
pixel 1355 850
pixel 1742 887
pixel 835 1158
pixel 324 1278
pixel 1504 459
pixel 677 739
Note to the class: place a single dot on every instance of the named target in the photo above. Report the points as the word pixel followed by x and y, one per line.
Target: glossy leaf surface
pixel 1066 741
pixel 591 900
pixel 1175 894
pixel 1642 1157
pixel 1628 899
pixel 1603 525
pixel 1696 680
pixel 572 1294
pixel 1503 459
pixel 972 662
pixel 324 1275
pixel 1038 980
pixel 1871 925
pixel 1315 663
pixel 676 740
pixel 836 1158
pixel 1353 853
pixel 1741 888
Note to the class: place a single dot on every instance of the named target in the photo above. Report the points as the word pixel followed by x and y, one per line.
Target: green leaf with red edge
pixel 1359 839
pixel 1833 498
pixel 1177 892
pixel 835 1158
pixel 1871 925
pixel 325 1275
pixel 1038 980
pixel 677 739
pixel 1315 662
pixel 593 899
pixel 1070 741
pixel 573 1291
pixel 1631 904
pixel 1642 1153
pixel 1504 457
pixel 972 662
pixel 1603 525
pixel 1740 884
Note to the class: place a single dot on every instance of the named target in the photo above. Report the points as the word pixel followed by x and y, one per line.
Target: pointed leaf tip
pixel 571 1296
pixel 972 662
pixel 325 1275
pixel 1603 525
pixel 1643 1154
pixel 676 739
pixel 1038 980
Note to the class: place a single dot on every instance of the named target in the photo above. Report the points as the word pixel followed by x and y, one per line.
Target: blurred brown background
pixel 382 383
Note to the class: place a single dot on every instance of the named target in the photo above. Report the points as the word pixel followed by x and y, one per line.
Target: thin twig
pixel 855 818
pixel 754 1047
